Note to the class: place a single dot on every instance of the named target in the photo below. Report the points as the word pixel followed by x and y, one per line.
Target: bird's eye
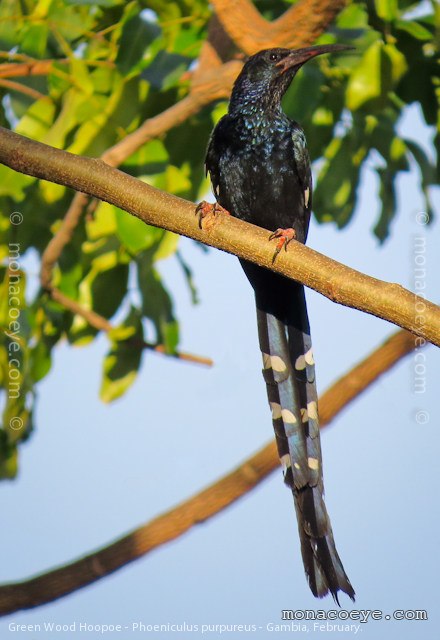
pixel 274 56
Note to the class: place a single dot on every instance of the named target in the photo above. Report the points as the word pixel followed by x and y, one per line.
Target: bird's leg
pixel 207 211
pixel 284 236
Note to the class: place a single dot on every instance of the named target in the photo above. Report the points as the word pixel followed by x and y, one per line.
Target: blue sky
pixel 92 472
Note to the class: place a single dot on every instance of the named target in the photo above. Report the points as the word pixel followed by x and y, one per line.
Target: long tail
pixel 289 372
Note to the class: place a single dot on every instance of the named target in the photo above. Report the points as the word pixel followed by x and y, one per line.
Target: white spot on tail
pixel 304 415
pixel 273 362
pixel 288 416
pixel 278 364
pixel 304 360
pixel 276 410
pixel 312 410
pixel 313 463
pixel 296 465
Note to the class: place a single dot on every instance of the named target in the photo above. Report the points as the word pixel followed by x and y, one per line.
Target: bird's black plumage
pixel 259 166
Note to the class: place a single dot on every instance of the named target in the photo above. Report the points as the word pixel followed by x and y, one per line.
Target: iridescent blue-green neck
pixel 254 100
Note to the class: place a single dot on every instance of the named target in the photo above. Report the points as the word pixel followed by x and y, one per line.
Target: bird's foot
pixel 207 212
pixel 284 236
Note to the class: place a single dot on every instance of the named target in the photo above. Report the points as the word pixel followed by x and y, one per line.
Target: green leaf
pixel 38 120
pixel 14 184
pixel 137 34
pixel 387 10
pixel 428 175
pixel 157 304
pixel 34 39
pixel 10 24
pixel 167 247
pixel 427 169
pixel 135 234
pixel 398 66
pixel 151 158
pixel 364 83
pixel 379 71
pixel 114 281
pixel 166 70
pixel 71 22
pixel 174 179
pixel 187 272
pixel 41 360
pixel 353 16
pixel 335 194
pixel 8 457
pixel 104 221
pixel 102 291
pixel 122 363
pixel 387 197
pixel 97 132
pixel 381 132
pixel 424 91
pixel 415 29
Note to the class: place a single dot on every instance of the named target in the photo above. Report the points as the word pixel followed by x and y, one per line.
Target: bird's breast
pixel 259 182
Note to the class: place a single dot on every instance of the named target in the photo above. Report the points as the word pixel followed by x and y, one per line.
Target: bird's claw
pixel 207 212
pixel 284 236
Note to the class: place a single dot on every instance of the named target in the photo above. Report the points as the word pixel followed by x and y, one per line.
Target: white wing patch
pixel 306 197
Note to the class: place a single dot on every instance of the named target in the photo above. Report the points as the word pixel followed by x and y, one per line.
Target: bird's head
pixel 267 75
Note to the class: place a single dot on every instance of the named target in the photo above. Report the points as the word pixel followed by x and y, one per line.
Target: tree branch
pixel 174 523
pixel 10 85
pixel 298 26
pixel 330 278
pixel 29 68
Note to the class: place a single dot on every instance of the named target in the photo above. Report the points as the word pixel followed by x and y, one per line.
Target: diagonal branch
pixel 212 500
pixel 330 278
pixel 299 26
pixel 10 85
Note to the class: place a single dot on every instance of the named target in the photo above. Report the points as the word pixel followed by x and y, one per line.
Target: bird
pixel 259 167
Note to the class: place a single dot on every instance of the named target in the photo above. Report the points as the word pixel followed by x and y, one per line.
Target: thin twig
pixel 22 88
pixel 30 68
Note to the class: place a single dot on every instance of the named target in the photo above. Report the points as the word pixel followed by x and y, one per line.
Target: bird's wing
pixel 212 157
pixel 301 160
